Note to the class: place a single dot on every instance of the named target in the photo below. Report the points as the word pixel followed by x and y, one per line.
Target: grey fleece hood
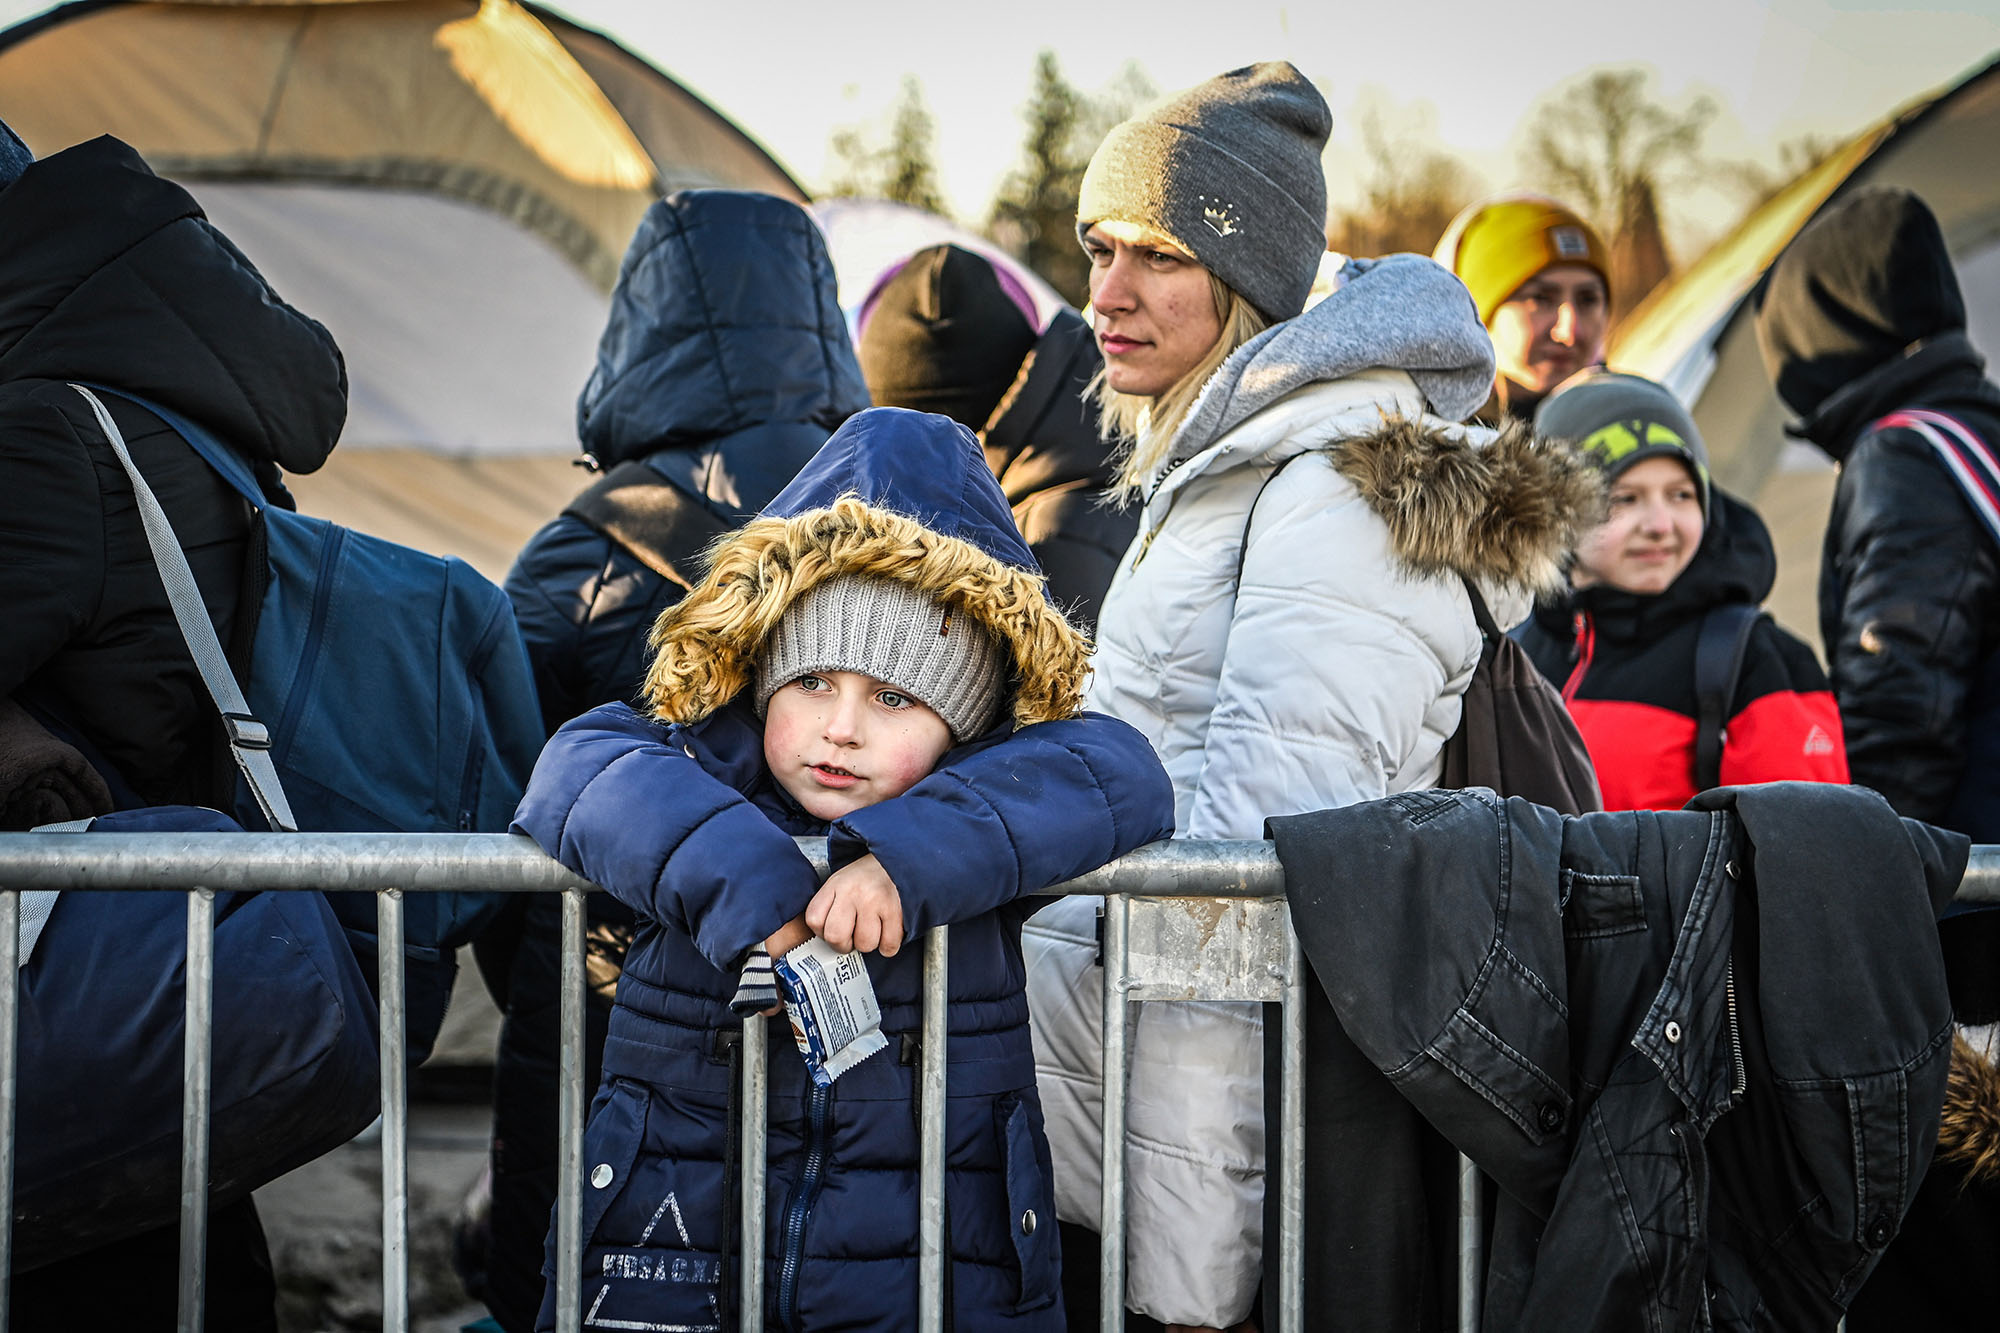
pixel 1400 312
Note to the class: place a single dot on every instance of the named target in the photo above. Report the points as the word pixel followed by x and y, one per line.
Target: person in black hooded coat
pixel 945 331
pixel 1859 319
pixel 111 276
pixel 723 368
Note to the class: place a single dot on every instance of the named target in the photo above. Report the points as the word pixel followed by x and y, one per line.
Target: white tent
pixel 447 184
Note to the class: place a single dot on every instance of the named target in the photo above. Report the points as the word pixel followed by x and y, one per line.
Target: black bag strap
pixel 657 521
pixel 1482 616
pixel 1243 548
pixel 1718 663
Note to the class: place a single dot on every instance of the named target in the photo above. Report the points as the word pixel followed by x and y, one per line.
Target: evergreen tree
pixel 1034 215
pixel 902 171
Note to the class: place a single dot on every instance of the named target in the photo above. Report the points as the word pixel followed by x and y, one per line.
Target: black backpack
pixel 1515 735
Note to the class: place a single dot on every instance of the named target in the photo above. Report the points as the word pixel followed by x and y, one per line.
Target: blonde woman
pixel 1290 628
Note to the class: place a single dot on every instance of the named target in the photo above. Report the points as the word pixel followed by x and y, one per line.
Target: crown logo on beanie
pixel 1221 216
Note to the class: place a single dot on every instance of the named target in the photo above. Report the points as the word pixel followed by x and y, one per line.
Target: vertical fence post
pixel 1292 1140
pixel 754 1126
pixel 199 977
pixel 1111 1212
pixel 1471 1243
pixel 931 1202
pixel 10 1050
pixel 569 1113
pixel 392 1026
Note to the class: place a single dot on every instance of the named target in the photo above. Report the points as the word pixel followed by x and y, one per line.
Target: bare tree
pixel 1034 215
pixel 903 170
pixel 1761 184
pixel 1411 194
pixel 1603 145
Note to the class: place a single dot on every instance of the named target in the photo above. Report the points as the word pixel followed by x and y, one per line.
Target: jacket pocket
pixel 611 1144
pixel 1031 1211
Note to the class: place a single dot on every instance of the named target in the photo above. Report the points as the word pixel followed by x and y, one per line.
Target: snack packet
pixel 836 1020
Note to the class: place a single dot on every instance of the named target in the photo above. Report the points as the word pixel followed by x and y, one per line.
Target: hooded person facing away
pixel 1862 327
pixel 946 331
pixel 723 368
pixel 114 277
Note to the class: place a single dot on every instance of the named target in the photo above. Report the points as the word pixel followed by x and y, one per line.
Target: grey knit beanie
pixel 1616 420
pixel 891 631
pixel 1230 172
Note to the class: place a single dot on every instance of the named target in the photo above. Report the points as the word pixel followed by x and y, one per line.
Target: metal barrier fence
pixel 1155 948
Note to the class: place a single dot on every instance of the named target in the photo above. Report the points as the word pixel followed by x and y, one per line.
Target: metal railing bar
pixel 570 1099
pixel 504 862
pixel 1111 1208
pixel 196 1048
pixel 931 1202
pixel 754 1134
pixel 1292 1141
pixel 511 863
pixel 1471 1243
pixel 392 1002
pixel 10 1051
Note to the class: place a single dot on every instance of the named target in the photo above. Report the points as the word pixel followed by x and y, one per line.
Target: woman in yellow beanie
pixel 1540 277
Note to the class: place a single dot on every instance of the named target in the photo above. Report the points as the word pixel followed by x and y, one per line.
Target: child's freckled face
pixel 839 741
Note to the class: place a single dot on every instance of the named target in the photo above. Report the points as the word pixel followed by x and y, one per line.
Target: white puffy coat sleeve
pixel 1342 670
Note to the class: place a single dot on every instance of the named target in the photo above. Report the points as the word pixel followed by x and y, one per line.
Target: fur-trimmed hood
pixel 897 495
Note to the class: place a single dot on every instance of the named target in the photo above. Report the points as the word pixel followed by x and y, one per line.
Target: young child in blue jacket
pixel 872 659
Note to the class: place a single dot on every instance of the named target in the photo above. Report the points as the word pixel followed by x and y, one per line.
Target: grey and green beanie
pixel 1616 420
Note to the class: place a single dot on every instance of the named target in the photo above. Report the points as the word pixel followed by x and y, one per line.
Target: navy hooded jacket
pixel 724 365
pixel 684 824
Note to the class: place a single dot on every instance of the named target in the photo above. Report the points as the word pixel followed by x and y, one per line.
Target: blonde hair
pixel 1145 426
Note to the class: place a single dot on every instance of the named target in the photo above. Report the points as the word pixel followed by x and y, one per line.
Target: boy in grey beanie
pixel 1253 138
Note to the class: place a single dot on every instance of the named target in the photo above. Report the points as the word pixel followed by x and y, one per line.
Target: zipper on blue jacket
pixel 799 1208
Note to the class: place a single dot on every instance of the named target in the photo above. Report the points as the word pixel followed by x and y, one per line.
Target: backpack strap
pixel 249 739
pixel 1243 549
pixel 1718 664
pixel 1969 459
pixel 657 521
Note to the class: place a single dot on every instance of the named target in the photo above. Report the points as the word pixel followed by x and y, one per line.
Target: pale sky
pixel 792 71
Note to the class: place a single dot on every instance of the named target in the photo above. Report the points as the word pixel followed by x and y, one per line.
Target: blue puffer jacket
pixel 724 366
pixel 682 822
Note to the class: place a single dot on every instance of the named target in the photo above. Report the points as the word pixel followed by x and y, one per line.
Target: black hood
pixel 1044 432
pixel 1735 562
pixel 1945 374
pixel 724 319
pixel 1861 285
pixel 110 275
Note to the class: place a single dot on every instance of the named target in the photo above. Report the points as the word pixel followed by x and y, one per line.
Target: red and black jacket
pixel 1625 665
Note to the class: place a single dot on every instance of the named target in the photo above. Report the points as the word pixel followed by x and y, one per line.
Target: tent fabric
pixel 1696 333
pixel 449 185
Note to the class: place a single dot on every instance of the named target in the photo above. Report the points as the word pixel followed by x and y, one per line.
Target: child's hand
pixel 788 937
pixel 858 908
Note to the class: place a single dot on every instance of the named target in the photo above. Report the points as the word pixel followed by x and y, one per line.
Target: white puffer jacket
pixel 1331 674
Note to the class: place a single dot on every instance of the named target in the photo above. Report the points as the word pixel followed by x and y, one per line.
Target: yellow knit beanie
pixel 1496 245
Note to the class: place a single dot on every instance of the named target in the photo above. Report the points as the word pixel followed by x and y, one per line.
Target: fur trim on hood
pixel 1969 1133
pixel 706 646
pixel 1509 511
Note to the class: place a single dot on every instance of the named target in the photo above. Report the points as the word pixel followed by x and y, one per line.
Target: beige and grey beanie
pixel 1230 172
pixel 897 634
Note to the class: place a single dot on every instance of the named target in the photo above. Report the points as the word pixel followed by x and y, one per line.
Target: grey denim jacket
pixel 1701 1052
